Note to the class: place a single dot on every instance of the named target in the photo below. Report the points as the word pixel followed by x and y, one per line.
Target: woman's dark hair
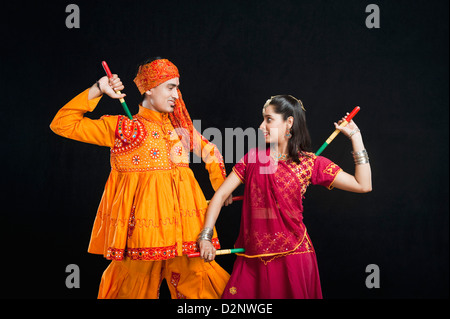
pixel 300 141
pixel 147 61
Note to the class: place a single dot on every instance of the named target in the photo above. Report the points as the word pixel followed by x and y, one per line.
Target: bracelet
pixel 360 157
pixel 360 153
pixel 356 130
pixel 362 161
pixel 98 85
pixel 205 234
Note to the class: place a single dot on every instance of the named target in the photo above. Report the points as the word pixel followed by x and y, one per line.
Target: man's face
pixel 162 98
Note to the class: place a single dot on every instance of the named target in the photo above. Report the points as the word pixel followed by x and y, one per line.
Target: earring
pixel 288 134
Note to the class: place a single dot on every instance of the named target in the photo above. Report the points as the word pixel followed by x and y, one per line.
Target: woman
pixel 279 260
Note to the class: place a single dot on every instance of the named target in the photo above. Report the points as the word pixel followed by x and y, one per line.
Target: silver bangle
pixel 362 152
pixel 362 161
pixel 206 234
pixel 353 132
pixel 360 157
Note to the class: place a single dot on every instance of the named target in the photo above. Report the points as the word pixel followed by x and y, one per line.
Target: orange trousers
pixel 187 278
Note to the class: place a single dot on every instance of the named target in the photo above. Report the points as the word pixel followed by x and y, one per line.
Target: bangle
pixel 98 85
pixel 360 157
pixel 356 130
pixel 205 234
pixel 360 153
pixel 362 161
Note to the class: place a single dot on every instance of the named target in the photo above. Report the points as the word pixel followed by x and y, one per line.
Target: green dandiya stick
pixel 336 132
pixel 122 101
pixel 221 252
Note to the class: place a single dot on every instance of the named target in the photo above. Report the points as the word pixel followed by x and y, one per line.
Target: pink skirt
pixel 293 276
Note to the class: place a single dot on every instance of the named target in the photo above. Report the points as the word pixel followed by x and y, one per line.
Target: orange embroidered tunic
pixel 152 207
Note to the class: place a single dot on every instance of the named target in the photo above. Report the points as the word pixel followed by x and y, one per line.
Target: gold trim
pixel 279 253
pixel 238 175
pixel 330 187
pixel 310 250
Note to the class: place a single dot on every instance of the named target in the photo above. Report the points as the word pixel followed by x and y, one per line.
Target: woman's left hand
pixel 349 130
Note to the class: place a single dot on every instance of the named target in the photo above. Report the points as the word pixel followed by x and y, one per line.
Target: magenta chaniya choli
pixel 279 260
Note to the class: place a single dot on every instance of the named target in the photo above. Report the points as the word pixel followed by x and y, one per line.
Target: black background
pixel 232 56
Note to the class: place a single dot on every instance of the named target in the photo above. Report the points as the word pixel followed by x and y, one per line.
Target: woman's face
pixel 274 126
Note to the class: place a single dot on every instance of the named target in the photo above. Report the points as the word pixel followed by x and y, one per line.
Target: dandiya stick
pixel 221 252
pixel 336 132
pixel 224 251
pixel 122 101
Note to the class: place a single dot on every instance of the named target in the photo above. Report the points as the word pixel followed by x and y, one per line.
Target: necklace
pixel 279 156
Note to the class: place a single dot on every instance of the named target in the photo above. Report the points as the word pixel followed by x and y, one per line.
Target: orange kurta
pixel 152 206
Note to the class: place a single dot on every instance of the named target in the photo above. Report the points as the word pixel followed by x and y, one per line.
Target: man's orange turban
pixel 157 72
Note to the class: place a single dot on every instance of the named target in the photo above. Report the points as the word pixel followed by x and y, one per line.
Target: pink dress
pixel 279 260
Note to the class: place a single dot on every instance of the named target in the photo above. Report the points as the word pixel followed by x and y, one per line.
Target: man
pixel 152 207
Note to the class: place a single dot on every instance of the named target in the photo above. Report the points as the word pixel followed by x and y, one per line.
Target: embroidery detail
pixel 154 253
pixel 140 222
pixel 331 169
pixel 174 280
pixel 129 135
pixel 115 254
pixel 155 134
pixel 283 241
pixel 154 153
pixel 131 222
pixel 233 290
pixel 190 247
pixel 305 247
pixel 135 160
pixel 154 73
pixel 178 150
pixel 303 171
